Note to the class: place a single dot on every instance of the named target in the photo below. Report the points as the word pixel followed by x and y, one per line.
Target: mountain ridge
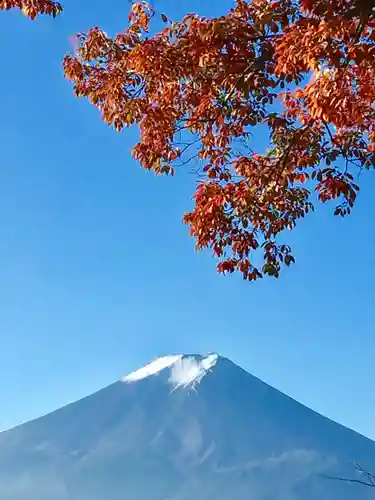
pixel 221 433
pixel 189 355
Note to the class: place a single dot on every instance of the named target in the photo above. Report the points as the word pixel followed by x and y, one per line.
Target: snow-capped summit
pixel 183 427
pixel 183 369
pixel 153 368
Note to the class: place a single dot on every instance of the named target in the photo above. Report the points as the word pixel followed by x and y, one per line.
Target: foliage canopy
pixel 304 70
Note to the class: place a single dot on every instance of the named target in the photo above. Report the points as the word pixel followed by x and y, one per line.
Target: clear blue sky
pixel 98 274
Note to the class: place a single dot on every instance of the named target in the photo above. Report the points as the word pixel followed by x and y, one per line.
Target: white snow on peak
pixel 189 370
pixel 152 368
pixel 185 370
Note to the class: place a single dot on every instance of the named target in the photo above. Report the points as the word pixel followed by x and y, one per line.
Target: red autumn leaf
pixel 33 8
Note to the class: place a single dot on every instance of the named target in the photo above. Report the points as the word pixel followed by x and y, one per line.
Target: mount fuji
pixel 184 427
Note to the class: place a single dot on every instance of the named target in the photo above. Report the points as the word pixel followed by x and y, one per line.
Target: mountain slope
pixel 183 427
